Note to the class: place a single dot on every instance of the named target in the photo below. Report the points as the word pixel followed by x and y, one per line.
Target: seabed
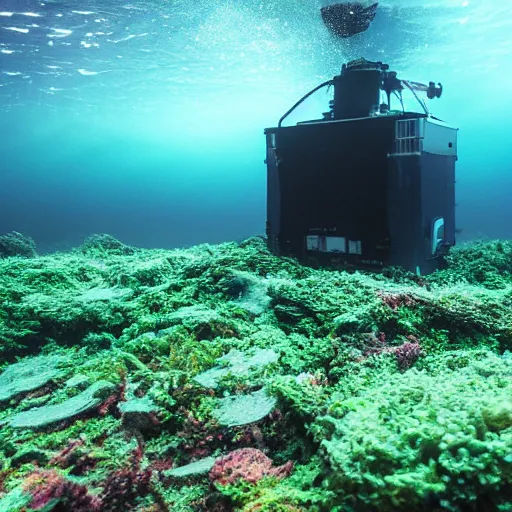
pixel 223 378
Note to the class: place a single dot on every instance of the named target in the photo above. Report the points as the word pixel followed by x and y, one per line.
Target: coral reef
pixel 222 378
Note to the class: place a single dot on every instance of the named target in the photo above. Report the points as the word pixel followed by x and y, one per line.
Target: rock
pixel 248 291
pixel 200 467
pixel 238 364
pixel 43 416
pixel 16 244
pixel 77 381
pixel 193 316
pixel 497 415
pixel 244 409
pixel 211 378
pixel 138 413
pixel 132 361
pixel 15 500
pixel 28 375
pixel 105 243
pixel 359 320
pixel 104 294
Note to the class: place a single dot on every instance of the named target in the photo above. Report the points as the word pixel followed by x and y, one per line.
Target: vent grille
pixel 408 138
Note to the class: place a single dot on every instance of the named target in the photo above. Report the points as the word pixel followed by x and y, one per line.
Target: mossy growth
pixel 185 337
pixel 441 435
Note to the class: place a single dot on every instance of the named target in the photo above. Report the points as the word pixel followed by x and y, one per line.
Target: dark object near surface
pixel 348 19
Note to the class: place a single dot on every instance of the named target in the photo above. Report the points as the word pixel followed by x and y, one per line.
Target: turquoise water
pixel 145 119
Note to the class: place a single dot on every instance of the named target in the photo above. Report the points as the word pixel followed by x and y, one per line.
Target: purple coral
pixel 200 437
pixel 408 353
pixel 397 300
pixel 46 486
pixel 124 486
pixel 248 464
pixel 74 455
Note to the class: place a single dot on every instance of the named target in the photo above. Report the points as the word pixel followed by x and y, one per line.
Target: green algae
pixel 14 501
pixel 199 467
pixel 410 437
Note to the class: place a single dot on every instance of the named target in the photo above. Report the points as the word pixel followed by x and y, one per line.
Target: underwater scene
pixel 230 282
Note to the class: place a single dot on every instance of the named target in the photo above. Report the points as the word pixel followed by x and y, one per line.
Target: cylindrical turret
pixel 357 89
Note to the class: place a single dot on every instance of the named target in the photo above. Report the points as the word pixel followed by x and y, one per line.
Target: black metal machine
pixel 365 186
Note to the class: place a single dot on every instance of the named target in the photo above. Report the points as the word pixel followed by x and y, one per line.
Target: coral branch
pixel 248 464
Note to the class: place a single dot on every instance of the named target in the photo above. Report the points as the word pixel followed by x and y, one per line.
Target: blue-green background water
pixel 145 119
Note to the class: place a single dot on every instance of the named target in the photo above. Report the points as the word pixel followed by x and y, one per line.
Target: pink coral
pixel 121 489
pixel 46 486
pixel 396 300
pixel 64 459
pixel 406 354
pixel 108 405
pixel 74 455
pixel 248 464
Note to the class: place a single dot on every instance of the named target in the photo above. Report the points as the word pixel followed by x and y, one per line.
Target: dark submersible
pixel 365 186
